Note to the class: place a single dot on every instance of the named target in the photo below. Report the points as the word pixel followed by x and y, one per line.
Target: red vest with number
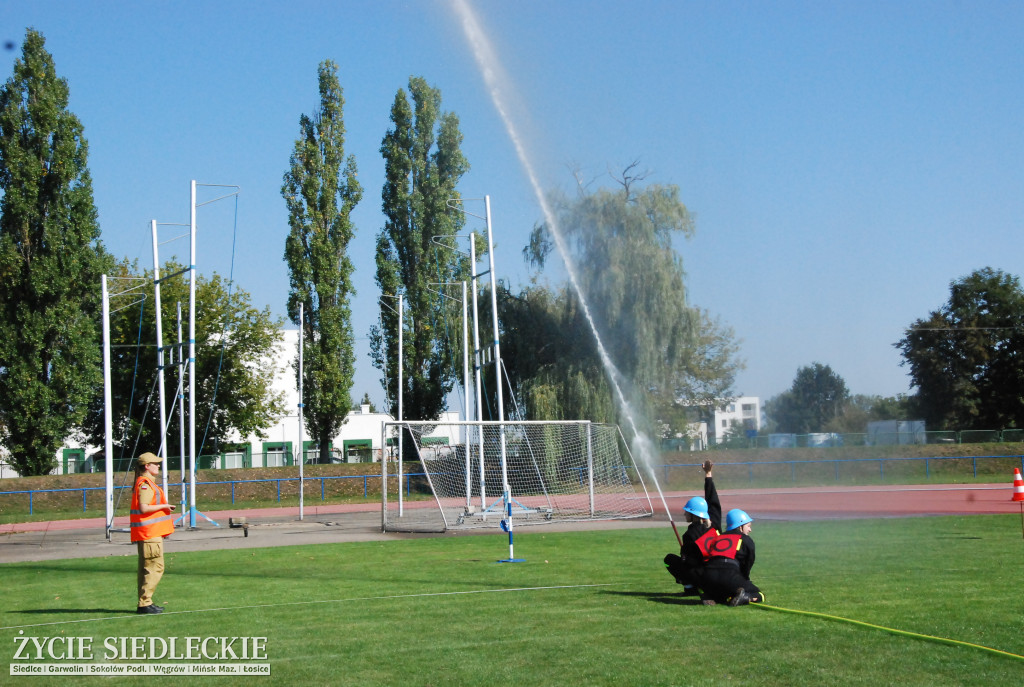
pixel 156 524
pixel 724 545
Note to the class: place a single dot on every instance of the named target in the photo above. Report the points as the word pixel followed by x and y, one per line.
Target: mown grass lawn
pixel 590 608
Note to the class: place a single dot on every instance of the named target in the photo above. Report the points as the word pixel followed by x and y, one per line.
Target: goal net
pixel 461 475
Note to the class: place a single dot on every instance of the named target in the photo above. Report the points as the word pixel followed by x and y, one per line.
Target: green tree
pixel 320 190
pixel 416 251
pixel 816 397
pixel 965 357
pixel 621 244
pixel 860 409
pixel 553 371
pixel 51 260
pixel 234 365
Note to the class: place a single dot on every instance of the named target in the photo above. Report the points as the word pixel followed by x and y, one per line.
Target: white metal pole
pixel 383 477
pixel 108 481
pixel 192 358
pixel 162 451
pixel 494 320
pixel 465 386
pixel 497 373
pixel 401 388
pixel 181 416
pixel 477 362
pixel 302 450
pixel 590 467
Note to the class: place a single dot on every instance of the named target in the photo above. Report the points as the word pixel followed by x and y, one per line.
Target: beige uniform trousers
pixel 151 568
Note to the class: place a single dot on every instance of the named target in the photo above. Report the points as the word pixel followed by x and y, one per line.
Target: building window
pixel 277 454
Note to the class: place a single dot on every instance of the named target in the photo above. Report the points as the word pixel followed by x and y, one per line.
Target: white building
pixel 744 412
pixel 359 439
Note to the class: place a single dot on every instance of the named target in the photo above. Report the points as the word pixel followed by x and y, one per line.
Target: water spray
pixel 490 68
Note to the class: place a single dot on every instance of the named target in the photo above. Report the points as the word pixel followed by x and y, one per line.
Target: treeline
pixel 621 243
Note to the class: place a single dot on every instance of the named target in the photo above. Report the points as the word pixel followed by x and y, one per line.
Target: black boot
pixel 739 598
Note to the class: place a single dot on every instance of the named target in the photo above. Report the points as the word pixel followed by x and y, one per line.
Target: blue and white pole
pixel 506 525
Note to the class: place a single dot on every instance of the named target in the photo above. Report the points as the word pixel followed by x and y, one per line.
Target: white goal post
pixel 475 474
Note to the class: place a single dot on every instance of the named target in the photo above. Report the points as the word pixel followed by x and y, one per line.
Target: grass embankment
pixel 855 465
pixel 590 608
pixel 349 483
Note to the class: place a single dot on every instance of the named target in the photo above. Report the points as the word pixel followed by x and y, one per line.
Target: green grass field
pixel 591 608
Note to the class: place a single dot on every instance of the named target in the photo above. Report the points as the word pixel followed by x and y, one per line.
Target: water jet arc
pixel 490 69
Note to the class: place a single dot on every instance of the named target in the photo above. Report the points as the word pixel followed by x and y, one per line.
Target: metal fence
pixel 174 488
pixel 827 439
pixel 228 460
pixel 852 471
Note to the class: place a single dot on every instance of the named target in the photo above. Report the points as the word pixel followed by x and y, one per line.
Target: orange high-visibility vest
pixel 156 524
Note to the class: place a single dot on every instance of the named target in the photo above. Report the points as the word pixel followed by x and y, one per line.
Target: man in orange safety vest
pixel 151 521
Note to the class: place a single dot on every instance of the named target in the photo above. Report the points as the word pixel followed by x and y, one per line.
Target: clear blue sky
pixel 844 161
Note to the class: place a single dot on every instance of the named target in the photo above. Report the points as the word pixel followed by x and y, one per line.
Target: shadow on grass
pixel 660 597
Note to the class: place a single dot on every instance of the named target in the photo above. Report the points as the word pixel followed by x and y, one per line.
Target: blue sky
pixel 844 161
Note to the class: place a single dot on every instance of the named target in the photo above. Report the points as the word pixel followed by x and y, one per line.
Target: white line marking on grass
pixel 319 601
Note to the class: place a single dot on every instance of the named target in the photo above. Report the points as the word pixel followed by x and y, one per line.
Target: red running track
pixel 870 501
pixel 793 503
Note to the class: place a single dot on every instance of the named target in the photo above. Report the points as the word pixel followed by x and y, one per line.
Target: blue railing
pixel 179 485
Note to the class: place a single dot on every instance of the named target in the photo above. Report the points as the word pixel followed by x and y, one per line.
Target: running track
pixel 775 504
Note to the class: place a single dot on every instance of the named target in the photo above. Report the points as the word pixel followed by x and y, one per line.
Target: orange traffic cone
pixel 1018 485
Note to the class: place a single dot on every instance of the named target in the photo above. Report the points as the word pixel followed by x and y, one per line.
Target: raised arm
pixel 711 496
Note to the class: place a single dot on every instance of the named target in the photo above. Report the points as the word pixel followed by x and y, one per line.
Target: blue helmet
pixel 697 506
pixel 736 518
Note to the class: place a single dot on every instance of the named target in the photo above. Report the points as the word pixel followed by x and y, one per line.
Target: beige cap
pixel 147 458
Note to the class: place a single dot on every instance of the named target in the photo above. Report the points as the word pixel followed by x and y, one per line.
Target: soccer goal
pixel 476 474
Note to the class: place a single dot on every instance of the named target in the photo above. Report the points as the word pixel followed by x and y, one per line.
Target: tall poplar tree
pixel 50 264
pixel 321 189
pixel 416 251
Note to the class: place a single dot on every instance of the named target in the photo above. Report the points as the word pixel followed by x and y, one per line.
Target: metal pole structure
pixel 497 382
pixel 477 362
pixel 384 445
pixel 494 322
pixel 590 468
pixel 181 416
pixel 401 388
pixel 465 386
pixel 108 430
pixel 383 477
pixel 162 451
pixel 192 358
pixel 302 450
pixel 466 438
